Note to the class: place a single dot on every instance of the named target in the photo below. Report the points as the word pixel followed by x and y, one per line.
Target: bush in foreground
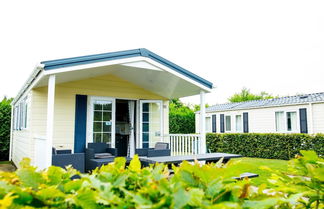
pixel 191 186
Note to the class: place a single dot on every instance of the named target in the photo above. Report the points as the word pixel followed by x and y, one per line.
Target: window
pixel 228 123
pixel 20 115
pixel 238 124
pixel 291 121
pixel 208 124
pixel 102 121
pixel 280 121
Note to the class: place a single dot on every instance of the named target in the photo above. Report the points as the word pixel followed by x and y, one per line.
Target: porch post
pixel 50 120
pixel 202 123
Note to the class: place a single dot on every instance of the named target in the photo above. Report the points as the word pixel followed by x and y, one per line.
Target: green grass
pixel 253 165
pixel 5 162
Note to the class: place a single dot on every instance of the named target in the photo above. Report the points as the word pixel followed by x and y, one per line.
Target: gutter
pixel 36 72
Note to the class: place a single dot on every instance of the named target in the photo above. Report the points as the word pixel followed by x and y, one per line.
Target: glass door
pixel 102 120
pixel 151 123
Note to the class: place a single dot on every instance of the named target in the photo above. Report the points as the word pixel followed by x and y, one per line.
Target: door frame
pixel 89 134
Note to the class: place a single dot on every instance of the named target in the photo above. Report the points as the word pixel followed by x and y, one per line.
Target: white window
pixel 208 124
pixel 238 123
pixel 291 121
pixel 228 123
pixel 101 126
pixel 280 125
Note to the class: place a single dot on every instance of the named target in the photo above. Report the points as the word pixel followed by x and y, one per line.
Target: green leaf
pixel 180 198
pixel 196 197
pixel 135 164
pixel 30 178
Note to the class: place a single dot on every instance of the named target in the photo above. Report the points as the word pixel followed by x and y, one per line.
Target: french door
pixel 151 122
pixel 101 123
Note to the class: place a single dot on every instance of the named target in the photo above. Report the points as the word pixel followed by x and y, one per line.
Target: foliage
pixel 5 116
pixel 269 145
pixel 181 117
pixel 246 95
pixel 191 186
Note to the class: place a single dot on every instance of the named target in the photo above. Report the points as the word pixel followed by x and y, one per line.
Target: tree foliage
pixel 246 95
pixel 181 117
pixel 5 120
pixel 191 186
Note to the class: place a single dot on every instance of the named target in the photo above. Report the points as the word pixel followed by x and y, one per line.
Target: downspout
pixel 311 123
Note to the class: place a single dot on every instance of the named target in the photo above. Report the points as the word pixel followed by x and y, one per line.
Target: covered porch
pixel 119 98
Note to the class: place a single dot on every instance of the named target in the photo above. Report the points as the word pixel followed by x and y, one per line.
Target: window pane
pixel 145 117
pixel 228 123
pixel 145 127
pixel 239 123
pixel 145 137
pixel 97 137
pixel 97 107
pixel 106 126
pixel 107 106
pixel 279 121
pixel 97 127
pixel 97 116
pixel 145 107
pixel 106 137
pixel 106 116
pixel 291 121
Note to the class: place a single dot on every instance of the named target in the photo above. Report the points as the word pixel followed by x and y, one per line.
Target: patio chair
pixel 160 149
pixel 63 158
pixel 98 154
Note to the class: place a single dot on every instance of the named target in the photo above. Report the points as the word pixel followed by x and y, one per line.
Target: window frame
pixel 230 123
pixel 285 121
pixel 241 124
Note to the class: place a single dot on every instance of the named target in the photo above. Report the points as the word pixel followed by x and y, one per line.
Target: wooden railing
pixel 184 144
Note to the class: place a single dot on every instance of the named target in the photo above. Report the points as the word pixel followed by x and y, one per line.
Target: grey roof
pixel 73 61
pixel 282 101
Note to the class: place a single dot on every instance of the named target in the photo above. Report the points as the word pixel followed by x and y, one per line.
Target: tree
pixel 5 120
pixel 246 95
pixel 181 117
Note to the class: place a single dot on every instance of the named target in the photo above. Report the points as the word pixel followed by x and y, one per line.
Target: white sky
pixel 273 46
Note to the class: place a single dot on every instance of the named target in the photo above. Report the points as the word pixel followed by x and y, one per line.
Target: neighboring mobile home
pixel 120 98
pixel 292 114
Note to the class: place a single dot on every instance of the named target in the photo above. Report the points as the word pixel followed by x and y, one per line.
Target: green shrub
pixel 271 146
pixel 5 116
pixel 191 186
pixel 181 118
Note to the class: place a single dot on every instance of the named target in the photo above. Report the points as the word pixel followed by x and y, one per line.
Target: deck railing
pixel 184 144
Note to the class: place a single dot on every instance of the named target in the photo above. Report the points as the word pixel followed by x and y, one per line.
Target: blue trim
pixel 80 129
pixel 74 61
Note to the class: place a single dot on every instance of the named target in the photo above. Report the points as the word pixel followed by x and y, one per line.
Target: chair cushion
pixel 103 155
pixel 160 146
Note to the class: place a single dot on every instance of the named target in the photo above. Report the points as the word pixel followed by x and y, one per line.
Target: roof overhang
pixel 140 66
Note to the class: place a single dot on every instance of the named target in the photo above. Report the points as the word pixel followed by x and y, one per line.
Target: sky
pixel 272 46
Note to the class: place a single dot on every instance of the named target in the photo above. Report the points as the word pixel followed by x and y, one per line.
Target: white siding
pixel 262 120
pixel 318 118
pixel 22 141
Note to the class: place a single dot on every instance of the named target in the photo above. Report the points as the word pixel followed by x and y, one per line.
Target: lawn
pixel 252 165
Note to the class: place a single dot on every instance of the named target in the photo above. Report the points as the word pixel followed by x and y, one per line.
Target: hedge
pixel 5 116
pixel 271 146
